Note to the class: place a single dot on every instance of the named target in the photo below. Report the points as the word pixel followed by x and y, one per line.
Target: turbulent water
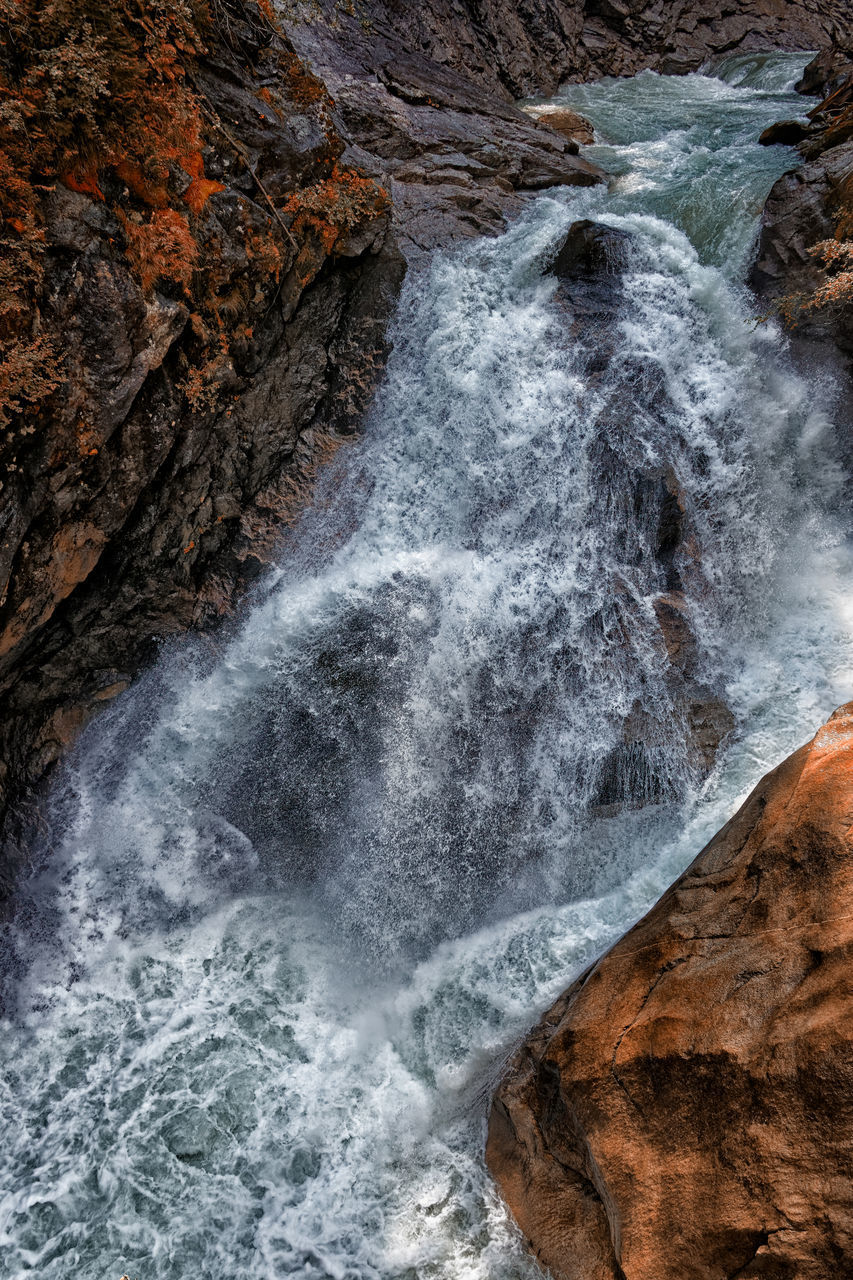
pixel 296 897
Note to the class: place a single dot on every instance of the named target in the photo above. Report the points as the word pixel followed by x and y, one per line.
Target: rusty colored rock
pixel 571 124
pixel 685 1109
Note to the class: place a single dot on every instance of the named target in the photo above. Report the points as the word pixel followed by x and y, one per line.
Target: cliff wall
pixel 534 46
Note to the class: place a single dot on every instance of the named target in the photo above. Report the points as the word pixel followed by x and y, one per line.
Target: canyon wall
pixel 534 46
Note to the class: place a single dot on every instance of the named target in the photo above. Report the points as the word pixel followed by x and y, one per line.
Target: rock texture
pixel 801 210
pixel 137 500
pixel 534 46
pixel 455 154
pixel 812 203
pixel 685 1109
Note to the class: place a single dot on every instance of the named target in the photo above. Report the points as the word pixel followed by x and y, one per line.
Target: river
pixel 301 889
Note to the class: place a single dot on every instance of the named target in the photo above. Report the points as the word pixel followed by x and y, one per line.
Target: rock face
pixel 136 501
pixel 827 70
pixel 533 47
pixel 800 211
pixel 592 249
pixel 455 154
pixel 685 1109
pixel 809 205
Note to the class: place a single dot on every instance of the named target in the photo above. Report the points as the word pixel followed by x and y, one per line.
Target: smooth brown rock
pixel 685 1109
pixel 571 124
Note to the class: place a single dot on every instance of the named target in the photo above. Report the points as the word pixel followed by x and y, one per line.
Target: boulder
pixel 785 133
pixel 826 71
pixel 685 1110
pixel 571 124
pixel 801 211
pixel 592 248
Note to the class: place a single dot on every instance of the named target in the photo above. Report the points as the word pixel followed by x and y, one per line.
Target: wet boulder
pixel 785 133
pixel 563 120
pixel 590 249
pixel 826 72
pixel 685 1109
pixel 589 264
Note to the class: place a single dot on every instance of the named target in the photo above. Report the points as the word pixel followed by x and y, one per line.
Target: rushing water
pixel 303 893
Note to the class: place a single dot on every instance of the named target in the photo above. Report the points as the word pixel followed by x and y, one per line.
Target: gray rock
pixel 591 248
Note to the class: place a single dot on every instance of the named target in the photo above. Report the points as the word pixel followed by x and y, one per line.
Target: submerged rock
pixel 591 264
pixel 685 1110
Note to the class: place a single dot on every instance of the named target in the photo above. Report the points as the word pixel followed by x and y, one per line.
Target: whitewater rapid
pixel 297 894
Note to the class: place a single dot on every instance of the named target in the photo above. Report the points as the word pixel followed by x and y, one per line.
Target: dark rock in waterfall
pixel 591 264
pixel 590 249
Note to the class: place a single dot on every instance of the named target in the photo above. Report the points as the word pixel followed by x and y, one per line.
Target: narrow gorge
pixel 406 587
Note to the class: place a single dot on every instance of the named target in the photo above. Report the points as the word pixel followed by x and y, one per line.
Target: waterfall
pixel 297 892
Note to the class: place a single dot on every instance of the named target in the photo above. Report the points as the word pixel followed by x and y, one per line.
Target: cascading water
pixel 295 900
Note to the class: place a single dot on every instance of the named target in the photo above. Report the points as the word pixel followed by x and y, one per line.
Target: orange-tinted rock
pixel 571 124
pixel 685 1110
